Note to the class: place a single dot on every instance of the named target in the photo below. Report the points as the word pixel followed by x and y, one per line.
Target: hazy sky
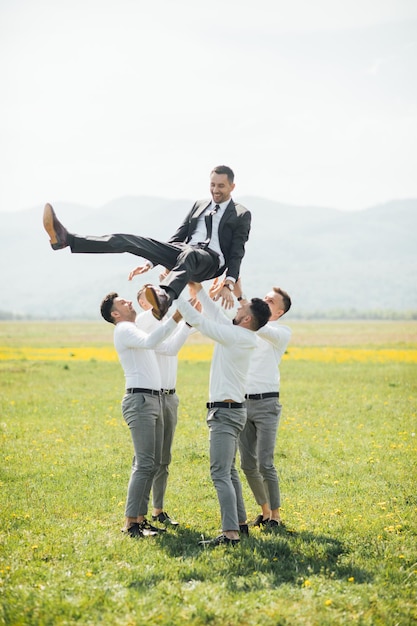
pixel 310 102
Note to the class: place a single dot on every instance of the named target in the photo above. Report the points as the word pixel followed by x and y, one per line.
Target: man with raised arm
pixel 257 441
pixel 141 404
pixel 167 359
pixel 235 342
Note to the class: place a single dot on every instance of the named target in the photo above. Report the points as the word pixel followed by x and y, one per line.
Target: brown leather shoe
pixel 57 232
pixel 158 299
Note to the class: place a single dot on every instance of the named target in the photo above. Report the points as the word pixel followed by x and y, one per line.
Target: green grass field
pixel 346 456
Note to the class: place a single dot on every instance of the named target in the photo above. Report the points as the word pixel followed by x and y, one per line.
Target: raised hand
pixel 215 288
pixel 193 289
pixel 141 269
pixel 226 298
pixel 164 274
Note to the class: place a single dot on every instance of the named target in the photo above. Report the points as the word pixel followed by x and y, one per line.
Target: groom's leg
pixel 158 252
pixel 192 264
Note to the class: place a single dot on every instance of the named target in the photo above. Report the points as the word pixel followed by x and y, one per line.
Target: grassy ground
pixel 346 455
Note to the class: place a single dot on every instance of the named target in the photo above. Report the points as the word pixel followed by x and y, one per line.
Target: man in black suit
pixel 210 241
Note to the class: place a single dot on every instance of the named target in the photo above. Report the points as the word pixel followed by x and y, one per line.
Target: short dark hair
pixel 106 306
pixel 286 298
pixel 260 312
pixel 224 169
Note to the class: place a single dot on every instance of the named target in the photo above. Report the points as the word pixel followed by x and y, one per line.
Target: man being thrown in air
pixel 210 241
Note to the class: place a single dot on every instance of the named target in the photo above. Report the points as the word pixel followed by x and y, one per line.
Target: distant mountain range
pixel 327 259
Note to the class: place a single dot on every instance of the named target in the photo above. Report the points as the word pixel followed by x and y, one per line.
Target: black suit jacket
pixel 234 231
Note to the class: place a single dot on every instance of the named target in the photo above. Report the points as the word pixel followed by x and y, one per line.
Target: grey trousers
pixel 257 446
pixel 187 263
pixel 224 428
pixel 142 413
pixel 170 418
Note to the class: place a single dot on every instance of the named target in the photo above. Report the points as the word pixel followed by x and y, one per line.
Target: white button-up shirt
pixel 167 351
pixel 263 373
pixel 135 349
pixel 200 233
pixel 232 351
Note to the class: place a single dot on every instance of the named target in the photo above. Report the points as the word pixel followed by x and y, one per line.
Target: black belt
pixel 204 246
pixel 167 392
pixel 261 396
pixel 151 392
pixel 226 405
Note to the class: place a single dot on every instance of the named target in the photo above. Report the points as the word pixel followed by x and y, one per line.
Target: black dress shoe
pixel 244 529
pixel 164 518
pixel 158 299
pixel 133 531
pixel 57 232
pixel 274 523
pixel 260 521
pixel 147 528
pixel 221 540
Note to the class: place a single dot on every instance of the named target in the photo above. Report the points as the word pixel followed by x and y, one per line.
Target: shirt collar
pixel 222 205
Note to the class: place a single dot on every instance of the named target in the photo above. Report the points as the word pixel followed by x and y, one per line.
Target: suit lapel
pixel 200 210
pixel 227 215
pixel 194 218
pixel 230 210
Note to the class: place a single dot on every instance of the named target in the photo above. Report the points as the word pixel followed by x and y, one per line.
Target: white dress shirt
pixel 135 349
pixel 200 233
pixel 167 351
pixel 263 374
pixel 232 351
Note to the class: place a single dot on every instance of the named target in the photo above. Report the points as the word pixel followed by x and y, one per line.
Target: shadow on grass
pixel 281 556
